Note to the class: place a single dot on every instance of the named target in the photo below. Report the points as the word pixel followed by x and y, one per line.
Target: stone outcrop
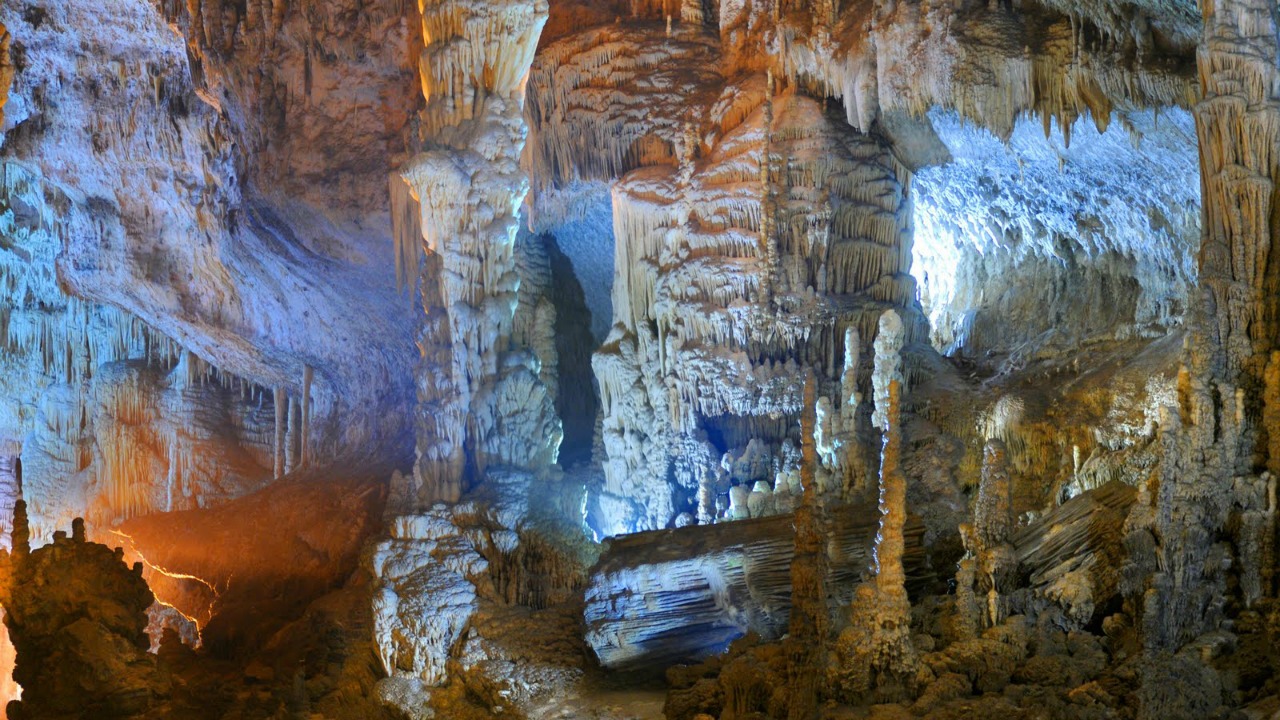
pixel 266 573
pixel 77 614
pixel 446 577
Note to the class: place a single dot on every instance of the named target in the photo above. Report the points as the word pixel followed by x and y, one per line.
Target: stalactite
pixel 280 401
pixel 292 436
pixel 406 226
pixel 308 377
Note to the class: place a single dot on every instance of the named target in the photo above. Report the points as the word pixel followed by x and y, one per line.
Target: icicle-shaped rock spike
pixel 20 535
pixel 280 401
pixel 308 376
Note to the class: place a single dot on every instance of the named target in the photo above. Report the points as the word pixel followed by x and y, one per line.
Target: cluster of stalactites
pixel 71 337
pixel 912 61
pixel 129 429
pixel 737 269
pixel 78 344
pixel 292 441
pixel 474 50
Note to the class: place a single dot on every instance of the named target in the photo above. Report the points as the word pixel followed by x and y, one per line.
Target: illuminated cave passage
pixel 561 359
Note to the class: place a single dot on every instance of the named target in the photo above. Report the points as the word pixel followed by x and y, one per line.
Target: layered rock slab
pixel 659 597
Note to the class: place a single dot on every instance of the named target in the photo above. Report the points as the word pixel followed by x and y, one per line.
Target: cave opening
pixel 580 251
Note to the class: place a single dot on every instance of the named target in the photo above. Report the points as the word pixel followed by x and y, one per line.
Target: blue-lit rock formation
pixel 662 597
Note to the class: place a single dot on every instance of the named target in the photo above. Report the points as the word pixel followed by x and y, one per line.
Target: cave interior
pixel 626 359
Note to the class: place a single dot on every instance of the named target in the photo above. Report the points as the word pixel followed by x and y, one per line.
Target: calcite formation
pixel 875 655
pixel 488 358
pixel 198 297
pixel 699 341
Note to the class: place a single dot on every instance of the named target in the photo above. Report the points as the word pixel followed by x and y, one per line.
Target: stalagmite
pixel 807 627
pixel 876 657
pixel 969 615
pixel 849 395
pixel 993 525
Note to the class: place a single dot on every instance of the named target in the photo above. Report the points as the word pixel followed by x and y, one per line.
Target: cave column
pixel 890 576
pixel 469 186
pixel 1215 436
pixel 893 655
